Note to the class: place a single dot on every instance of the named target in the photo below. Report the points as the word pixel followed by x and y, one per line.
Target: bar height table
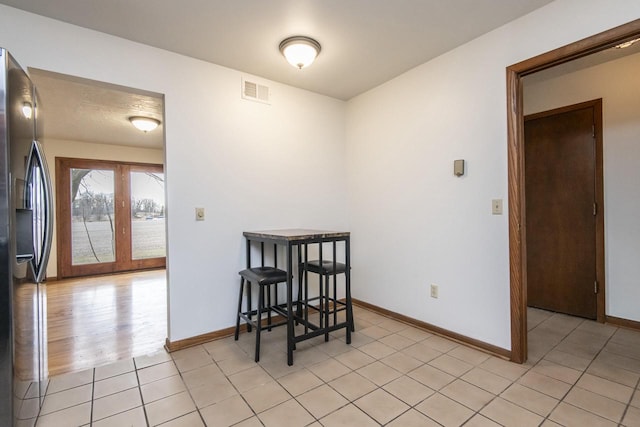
pixel 299 238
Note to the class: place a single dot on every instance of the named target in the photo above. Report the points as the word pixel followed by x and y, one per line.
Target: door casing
pixel 515 164
pixel 123 261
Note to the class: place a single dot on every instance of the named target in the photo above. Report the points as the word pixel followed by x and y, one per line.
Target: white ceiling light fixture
pixel 145 124
pixel 300 51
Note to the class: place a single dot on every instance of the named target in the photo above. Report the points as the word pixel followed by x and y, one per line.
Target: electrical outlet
pixel 434 291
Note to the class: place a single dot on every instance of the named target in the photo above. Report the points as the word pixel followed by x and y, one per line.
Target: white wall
pixel 617 83
pixel 413 222
pixel 251 166
pixel 84 150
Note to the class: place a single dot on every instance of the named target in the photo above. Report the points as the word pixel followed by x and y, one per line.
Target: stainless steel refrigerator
pixel 26 219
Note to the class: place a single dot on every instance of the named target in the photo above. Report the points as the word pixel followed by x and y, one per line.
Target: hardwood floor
pixel 97 320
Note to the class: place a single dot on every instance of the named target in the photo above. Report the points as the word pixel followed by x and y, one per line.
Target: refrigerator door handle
pixel 42 205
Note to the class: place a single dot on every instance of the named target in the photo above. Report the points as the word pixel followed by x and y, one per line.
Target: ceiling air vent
pixel 255 92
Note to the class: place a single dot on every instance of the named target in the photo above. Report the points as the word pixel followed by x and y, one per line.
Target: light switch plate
pixel 496 206
pixel 199 214
pixel 434 291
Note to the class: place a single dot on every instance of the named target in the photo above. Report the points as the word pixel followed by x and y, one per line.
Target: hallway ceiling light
pixel 144 124
pixel 300 51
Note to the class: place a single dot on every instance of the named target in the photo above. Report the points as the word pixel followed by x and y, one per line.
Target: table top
pixel 294 234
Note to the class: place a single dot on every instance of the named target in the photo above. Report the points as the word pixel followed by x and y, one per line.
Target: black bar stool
pixel 264 277
pixel 328 303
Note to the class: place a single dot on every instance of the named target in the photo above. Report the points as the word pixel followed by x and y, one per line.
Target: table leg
pixel 347 278
pixel 290 332
pixel 248 258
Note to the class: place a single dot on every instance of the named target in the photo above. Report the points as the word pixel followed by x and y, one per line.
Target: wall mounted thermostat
pixel 458 167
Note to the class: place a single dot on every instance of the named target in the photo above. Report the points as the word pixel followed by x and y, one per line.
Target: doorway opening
pixel 516 165
pixel 109 189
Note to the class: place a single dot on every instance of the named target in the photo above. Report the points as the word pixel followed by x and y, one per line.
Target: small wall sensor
pixel 458 167
pixel 199 214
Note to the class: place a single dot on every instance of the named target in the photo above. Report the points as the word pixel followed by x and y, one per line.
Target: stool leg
pixel 249 306
pixel 321 300
pixel 335 299
pixel 351 327
pixel 298 302
pixel 239 308
pixel 349 305
pixel 259 322
pixel 268 307
pixel 306 301
pixel 326 306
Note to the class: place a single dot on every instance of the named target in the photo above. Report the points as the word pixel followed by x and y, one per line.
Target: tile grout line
pixel 175 394
pixel 144 407
pixel 238 391
pixel 636 391
pixel 495 396
pixel 381 387
pixel 315 420
pixel 93 390
pixel 378 387
pixel 232 385
pixel 188 389
pixel 349 402
pixel 545 418
pixel 438 392
pixel 582 373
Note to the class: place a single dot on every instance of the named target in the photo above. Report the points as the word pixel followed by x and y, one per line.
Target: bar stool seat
pixel 264 277
pixel 327 267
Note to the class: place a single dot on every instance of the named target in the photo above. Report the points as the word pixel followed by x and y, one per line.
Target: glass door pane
pixel 147 215
pixel 92 217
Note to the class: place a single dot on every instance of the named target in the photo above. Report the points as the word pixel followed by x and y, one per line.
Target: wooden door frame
pixel 596 106
pixel 121 218
pixel 515 159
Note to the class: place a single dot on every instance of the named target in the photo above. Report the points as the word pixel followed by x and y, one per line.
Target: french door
pixel 110 216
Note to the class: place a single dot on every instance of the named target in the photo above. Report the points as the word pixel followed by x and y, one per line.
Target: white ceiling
pixel 85 110
pixel 364 42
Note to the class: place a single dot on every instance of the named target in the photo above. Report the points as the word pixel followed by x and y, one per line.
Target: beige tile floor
pixel 579 373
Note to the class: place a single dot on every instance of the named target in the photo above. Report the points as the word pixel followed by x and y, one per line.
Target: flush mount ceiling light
pixel 300 51
pixel 627 44
pixel 144 124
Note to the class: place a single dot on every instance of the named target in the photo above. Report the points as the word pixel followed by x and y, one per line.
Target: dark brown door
pixel 560 184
